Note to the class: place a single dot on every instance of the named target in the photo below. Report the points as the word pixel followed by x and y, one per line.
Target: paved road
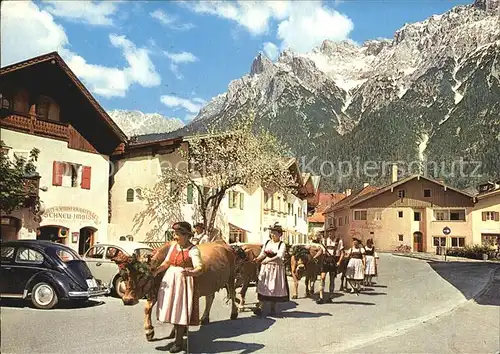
pixel 409 295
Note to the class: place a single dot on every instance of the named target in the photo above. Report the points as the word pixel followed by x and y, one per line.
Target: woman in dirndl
pixel 355 272
pixel 371 266
pixel 272 284
pixel 178 297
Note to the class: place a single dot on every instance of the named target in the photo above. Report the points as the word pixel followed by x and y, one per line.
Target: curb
pixel 449 259
pixel 401 328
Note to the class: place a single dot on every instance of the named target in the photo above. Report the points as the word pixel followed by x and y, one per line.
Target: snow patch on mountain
pixel 134 123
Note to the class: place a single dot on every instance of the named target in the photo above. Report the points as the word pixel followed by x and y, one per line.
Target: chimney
pixel 394 173
pixel 348 192
pixel 366 184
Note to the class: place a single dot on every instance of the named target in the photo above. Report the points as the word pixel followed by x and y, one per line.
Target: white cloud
pixel 302 25
pixel 90 12
pixel 182 57
pixel 170 21
pixel 192 106
pixel 271 50
pixel 179 58
pixel 24 22
pixel 310 24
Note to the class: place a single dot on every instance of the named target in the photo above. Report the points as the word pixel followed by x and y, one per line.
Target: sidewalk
pixel 437 258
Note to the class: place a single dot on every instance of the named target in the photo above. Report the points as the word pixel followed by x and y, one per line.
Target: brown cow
pixel 248 271
pixel 219 263
pixel 302 265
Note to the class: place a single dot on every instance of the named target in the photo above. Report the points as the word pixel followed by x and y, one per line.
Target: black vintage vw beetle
pixel 45 272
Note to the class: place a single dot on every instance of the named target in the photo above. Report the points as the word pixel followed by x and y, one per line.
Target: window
pixel 290 209
pixel 490 215
pixel 417 216
pixel 346 219
pixel 447 215
pixel 360 215
pixel 401 193
pixel 295 216
pixel 242 200
pixel 334 222
pixel 457 241
pixel 457 215
pixel 4 102
pixel 340 221
pixel 130 195
pixel 190 194
pixel 174 188
pixel 439 241
pixel 138 193
pixel 378 216
pixel 96 252
pixel 266 198
pixel 272 202
pixel 330 221
pixel 427 193
pixel 123 238
pixel 26 255
pixel 400 214
pixel 66 256
pixel 7 254
pixel 112 252
pixel 400 238
pixel 278 204
pixel 42 107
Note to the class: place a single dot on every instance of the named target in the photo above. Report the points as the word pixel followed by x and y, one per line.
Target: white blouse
pixel 194 253
pixel 274 247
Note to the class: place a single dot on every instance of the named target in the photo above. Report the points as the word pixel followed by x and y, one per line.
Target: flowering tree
pixel 215 163
pixel 14 188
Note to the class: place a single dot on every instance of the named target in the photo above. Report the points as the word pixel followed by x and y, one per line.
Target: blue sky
pixel 171 56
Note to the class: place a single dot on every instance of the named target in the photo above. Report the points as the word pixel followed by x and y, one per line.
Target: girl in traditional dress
pixel 178 298
pixel 356 266
pixel 370 268
pixel 272 285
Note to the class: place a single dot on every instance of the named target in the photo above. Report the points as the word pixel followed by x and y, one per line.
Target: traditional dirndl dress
pixel 370 268
pixel 173 305
pixel 272 284
pixel 355 269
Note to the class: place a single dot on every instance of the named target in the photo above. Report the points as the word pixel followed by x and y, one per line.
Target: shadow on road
pixel 210 338
pixel 352 303
pixel 466 277
pixel 62 305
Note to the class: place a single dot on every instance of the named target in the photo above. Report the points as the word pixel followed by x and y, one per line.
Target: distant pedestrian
pixel 200 236
pixel 355 272
pixel 371 266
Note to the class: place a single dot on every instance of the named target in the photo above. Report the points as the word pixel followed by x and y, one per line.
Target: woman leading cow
pixel 272 285
pixel 178 298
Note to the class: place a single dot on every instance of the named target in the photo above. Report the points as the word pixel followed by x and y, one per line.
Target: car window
pixel 113 252
pixel 27 255
pixel 143 252
pixel 66 256
pixel 7 254
pixel 96 252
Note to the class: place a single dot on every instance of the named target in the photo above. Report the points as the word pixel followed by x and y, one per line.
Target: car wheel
pixel 43 296
pixel 119 287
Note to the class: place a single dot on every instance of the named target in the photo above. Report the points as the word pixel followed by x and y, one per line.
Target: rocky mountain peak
pixel 488 5
pixel 260 64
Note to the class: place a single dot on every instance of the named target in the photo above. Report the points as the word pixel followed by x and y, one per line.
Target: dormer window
pixel 401 193
pixel 4 102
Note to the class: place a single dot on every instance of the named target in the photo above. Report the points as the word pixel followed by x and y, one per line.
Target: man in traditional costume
pixel 272 285
pixel 178 299
pixel 200 236
pixel 330 248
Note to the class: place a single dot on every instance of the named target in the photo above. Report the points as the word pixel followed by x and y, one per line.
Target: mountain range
pixel 429 98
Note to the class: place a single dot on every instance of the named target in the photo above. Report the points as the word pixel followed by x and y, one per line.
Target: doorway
pixel 48 233
pixel 418 242
pixel 86 239
pixel 10 228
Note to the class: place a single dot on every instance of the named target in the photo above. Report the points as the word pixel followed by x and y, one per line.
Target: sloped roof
pixel 56 59
pixel 325 200
pixel 403 181
pixel 347 201
pixel 488 194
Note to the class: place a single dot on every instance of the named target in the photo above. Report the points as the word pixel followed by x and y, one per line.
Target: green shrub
pixel 473 252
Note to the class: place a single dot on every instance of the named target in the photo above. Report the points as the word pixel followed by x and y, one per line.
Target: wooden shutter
pixel 483 214
pixel 230 198
pixel 86 174
pixel 497 216
pixel 190 194
pixel 242 201
pixel 57 173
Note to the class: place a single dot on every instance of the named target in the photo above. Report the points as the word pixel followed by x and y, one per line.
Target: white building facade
pixel 75 144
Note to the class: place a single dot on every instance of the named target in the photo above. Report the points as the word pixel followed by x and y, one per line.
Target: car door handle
pixel 7 268
pixel 98 264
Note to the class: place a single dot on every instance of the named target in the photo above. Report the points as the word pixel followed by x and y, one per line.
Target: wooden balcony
pixel 30 124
